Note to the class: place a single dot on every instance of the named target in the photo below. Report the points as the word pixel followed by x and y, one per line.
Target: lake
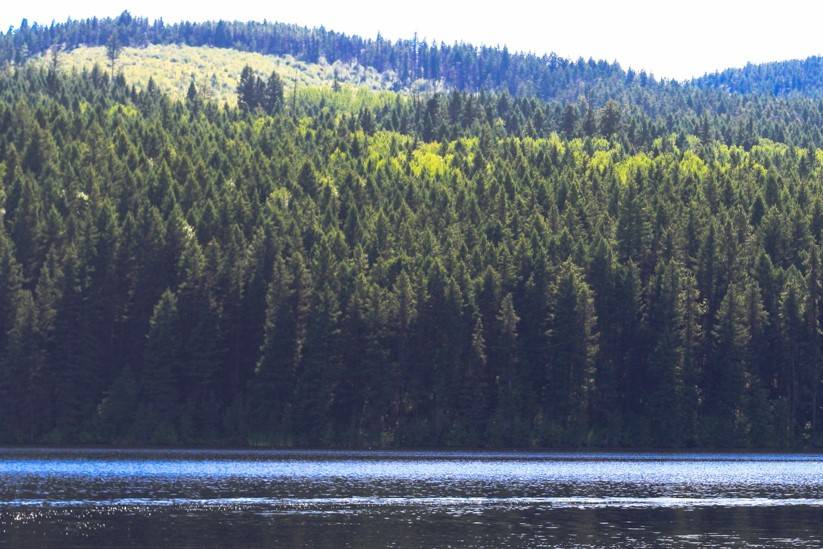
pixel 197 498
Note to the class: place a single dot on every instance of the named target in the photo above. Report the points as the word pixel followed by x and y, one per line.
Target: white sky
pixel 673 39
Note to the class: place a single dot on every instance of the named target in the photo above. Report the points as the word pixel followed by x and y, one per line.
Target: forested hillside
pixel 799 77
pixel 742 99
pixel 216 71
pixel 403 274
pixel 460 66
pixel 609 262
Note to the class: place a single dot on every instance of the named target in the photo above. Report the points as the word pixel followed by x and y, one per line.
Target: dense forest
pixel 798 77
pixel 478 268
pixel 463 67
pixel 779 101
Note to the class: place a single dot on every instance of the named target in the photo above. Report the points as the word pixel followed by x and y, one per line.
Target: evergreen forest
pixel 549 253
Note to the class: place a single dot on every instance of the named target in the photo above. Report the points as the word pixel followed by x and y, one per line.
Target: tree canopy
pixel 455 269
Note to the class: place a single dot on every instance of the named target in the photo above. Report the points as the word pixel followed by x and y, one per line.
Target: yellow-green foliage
pixel 628 168
pixel 426 159
pixel 767 148
pixel 600 161
pixel 129 111
pixel 278 199
pixel 348 98
pixel 692 165
pixel 216 71
pixel 470 145
pixel 556 145
pixel 380 147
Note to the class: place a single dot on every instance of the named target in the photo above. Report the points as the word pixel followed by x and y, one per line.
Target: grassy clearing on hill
pixel 216 71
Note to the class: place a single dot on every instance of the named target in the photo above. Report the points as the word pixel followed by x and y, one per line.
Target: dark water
pixel 82 498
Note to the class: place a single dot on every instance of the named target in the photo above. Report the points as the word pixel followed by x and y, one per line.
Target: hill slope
pixel 574 89
pixel 803 77
pixel 216 71
pixel 459 66
pixel 461 269
pixel 425 273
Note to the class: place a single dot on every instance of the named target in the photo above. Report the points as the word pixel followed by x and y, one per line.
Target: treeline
pixel 796 77
pixel 569 93
pixel 446 116
pixel 460 66
pixel 177 273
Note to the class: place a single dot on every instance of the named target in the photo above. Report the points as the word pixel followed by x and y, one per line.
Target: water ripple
pixel 558 502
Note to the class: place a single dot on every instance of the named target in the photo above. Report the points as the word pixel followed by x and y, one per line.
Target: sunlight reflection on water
pixel 317 499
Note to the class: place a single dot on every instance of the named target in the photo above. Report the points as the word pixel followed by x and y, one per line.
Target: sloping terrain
pixel 216 71
pixel 800 77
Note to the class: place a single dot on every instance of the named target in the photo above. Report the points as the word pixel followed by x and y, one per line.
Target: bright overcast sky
pixel 671 39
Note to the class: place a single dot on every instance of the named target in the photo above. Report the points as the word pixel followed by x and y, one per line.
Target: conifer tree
pixel 726 372
pixel 158 411
pixel 113 48
pixel 664 407
pixel 506 353
pixel 249 90
pixel 272 100
pixel 573 346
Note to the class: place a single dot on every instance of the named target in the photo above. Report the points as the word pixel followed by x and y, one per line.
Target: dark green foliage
pixel 436 271
pixel 572 350
pixel 249 90
pixel 158 413
pixel 253 93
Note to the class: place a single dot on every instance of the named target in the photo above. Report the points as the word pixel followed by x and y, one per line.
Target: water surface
pixel 79 498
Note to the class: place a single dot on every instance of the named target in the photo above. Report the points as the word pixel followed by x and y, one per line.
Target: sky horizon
pixel 678 41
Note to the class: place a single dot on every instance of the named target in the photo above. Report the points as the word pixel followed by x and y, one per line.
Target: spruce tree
pixel 725 376
pixel 272 100
pixel 158 413
pixel 573 348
